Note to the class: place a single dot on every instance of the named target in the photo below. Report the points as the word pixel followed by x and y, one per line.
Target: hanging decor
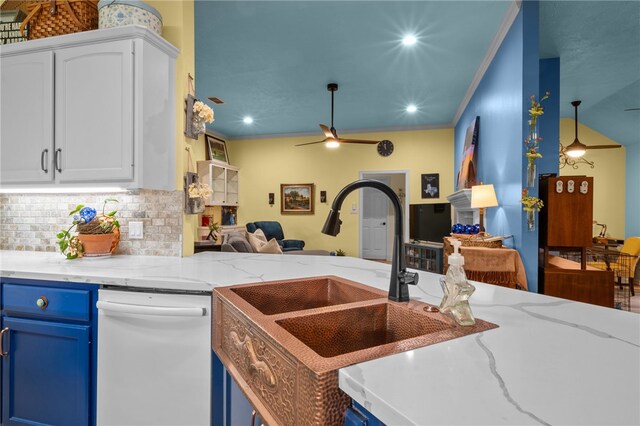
pixel 198 114
pixel 531 205
pixel 533 139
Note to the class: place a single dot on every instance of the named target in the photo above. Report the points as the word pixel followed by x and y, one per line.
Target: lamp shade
pixel 483 196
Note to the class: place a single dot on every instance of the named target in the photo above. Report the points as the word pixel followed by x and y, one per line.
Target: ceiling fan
pixel 576 148
pixel 331 136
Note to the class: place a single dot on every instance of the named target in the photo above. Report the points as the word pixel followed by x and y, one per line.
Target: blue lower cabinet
pixel 229 405
pixel 357 415
pixel 49 363
pixel 49 380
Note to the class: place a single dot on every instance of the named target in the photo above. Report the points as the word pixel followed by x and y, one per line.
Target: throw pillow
pixel 256 243
pixel 260 234
pixel 240 244
pixel 271 247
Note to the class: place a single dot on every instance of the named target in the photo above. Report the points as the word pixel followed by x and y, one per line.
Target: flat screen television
pixel 429 222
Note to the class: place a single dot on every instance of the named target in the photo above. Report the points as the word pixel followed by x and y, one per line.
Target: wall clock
pixel 385 148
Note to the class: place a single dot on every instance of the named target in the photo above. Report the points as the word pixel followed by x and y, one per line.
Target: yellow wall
pixel 178 29
pixel 267 163
pixel 608 176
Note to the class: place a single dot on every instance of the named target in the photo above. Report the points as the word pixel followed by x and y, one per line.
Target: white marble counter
pixel 551 361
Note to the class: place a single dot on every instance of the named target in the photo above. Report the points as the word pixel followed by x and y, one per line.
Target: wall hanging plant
pixel 533 139
pixel 198 114
pixel 531 205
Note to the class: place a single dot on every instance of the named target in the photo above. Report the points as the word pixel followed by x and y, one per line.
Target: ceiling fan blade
pixel 326 131
pixel 603 146
pixel 341 140
pixel 311 143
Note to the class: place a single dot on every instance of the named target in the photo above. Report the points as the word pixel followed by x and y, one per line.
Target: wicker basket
pixel 476 240
pixel 56 17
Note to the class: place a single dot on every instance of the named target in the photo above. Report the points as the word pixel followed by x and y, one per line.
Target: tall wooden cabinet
pixel 95 108
pixel 566 224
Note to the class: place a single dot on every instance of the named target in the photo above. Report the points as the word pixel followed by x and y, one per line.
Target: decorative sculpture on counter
pixel 457 289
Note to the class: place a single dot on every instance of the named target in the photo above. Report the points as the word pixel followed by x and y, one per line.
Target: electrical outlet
pixel 136 231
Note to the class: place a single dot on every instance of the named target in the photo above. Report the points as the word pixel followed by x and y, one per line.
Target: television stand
pixel 425 256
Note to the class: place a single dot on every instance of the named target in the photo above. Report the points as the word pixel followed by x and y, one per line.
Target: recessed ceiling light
pixel 247 120
pixel 409 40
pixel 411 108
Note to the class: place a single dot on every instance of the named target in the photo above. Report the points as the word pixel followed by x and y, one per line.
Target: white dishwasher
pixel 154 358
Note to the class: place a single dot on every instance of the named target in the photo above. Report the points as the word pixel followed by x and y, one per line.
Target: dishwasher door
pixel 154 359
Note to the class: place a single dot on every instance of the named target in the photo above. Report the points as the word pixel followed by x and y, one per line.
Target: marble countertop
pixel 551 361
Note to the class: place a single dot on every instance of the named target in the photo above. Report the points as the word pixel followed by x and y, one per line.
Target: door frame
pixel 362 175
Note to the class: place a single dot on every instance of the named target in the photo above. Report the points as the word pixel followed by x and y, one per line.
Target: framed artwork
pixel 430 185
pixel 296 198
pixel 217 148
pixel 468 173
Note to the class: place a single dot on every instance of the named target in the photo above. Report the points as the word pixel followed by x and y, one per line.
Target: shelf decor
pixel 531 205
pixel 533 139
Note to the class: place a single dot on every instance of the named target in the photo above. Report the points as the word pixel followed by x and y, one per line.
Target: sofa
pixel 238 242
pixel 273 229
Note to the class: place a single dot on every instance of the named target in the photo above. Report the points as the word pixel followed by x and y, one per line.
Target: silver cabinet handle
pixel 43 163
pixel 57 160
pixel 253 417
pixel 2 352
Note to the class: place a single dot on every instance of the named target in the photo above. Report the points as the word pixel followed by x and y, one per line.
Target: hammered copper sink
pixel 284 341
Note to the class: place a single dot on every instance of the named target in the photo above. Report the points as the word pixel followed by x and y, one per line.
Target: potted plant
pixel 530 205
pixel 198 195
pixel 533 139
pixel 202 115
pixel 97 234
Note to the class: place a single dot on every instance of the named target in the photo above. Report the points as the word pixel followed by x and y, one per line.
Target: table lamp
pixel 483 196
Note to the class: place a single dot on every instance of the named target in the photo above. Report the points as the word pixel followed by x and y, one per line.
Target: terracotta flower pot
pixel 96 244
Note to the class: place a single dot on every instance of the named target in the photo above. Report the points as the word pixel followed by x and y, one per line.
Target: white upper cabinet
pixel 26 120
pixel 89 109
pixel 223 180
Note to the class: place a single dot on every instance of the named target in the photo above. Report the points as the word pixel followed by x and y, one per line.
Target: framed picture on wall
pixel 430 185
pixel 467 175
pixel 296 198
pixel 216 148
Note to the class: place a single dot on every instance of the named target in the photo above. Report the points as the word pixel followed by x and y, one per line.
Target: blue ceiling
pixel 598 43
pixel 272 61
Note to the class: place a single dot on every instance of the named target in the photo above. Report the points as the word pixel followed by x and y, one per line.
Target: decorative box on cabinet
pixel 424 256
pixel 49 354
pixel 95 108
pixel 223 180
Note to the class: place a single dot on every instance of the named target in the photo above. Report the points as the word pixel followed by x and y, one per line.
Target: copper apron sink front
pixel 283 342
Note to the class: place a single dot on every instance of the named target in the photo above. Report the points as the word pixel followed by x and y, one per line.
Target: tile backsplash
pixel 30 222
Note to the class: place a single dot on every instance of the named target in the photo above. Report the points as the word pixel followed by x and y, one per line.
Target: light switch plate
pixel 136 231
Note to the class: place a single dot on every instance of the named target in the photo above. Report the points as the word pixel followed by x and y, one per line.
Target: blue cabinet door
pixel 46 376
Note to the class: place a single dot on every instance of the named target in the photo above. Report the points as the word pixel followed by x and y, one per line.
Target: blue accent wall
pixel 501 100
pixel 549 123
pixel 632 214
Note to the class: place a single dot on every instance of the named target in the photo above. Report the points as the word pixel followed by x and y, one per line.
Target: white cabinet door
pixel 26 118
pixel 94 113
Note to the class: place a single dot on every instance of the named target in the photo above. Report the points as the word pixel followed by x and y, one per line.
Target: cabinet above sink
pixel 95 108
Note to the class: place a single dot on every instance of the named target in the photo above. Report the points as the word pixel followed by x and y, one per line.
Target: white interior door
pixel 375 223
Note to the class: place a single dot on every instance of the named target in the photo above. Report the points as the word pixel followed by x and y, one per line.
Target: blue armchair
pixel 273 229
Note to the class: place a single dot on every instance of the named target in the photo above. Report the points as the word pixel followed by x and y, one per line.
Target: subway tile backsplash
pixel 30 222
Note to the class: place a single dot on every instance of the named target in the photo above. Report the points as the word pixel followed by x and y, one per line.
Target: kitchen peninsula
pixel 551 361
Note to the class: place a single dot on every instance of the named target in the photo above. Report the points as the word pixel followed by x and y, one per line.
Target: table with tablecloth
pixel 500 266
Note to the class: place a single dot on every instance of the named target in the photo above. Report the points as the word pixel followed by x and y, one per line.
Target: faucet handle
pixel 406 277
